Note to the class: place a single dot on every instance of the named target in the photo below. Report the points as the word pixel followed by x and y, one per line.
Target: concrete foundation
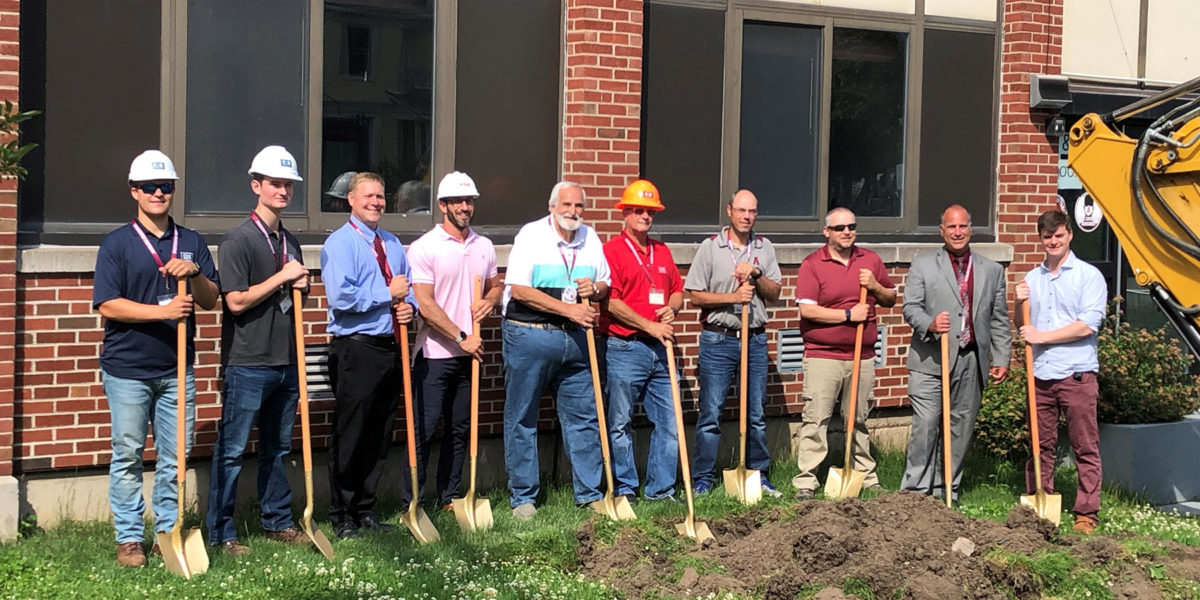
pixel 10 508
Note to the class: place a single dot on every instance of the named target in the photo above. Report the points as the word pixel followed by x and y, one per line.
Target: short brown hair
pixel 1051 220
pixel 364 176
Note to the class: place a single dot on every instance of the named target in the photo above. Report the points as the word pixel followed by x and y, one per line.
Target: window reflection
pixel 378 99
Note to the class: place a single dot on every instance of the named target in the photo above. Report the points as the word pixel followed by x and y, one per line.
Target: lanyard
pixel 733 255
pixel 638 256
pixel 154 253
pixel 384 267
pixel 263 229
pixel 364 237
pixel 964 277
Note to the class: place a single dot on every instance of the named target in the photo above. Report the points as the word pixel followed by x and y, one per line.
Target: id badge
pixel 570 295
pixel 165 299
pixel 285 301
pixel 657 297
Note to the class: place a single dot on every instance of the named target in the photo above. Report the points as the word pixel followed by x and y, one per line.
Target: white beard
pixel 568 224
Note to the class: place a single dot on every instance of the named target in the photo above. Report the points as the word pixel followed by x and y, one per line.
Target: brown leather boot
pixel 1085 524
pixel 130 554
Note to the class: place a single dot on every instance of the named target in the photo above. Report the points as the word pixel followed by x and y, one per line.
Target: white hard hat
pixel 152 165
pixel 275 161
pixel 340 187
pixel 457 185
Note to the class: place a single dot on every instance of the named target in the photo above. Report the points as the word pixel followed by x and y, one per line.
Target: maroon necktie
pixel 964 277
pixel 381 256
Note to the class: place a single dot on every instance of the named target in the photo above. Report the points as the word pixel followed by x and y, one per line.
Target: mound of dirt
pixel 896 542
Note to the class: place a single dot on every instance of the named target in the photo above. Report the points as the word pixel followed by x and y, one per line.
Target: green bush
pixel 1143 376
pixel 1001 430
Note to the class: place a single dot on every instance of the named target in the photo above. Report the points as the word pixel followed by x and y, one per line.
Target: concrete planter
pixel 1154 460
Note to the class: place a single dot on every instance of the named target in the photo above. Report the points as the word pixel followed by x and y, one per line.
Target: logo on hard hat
pixel 647 194
pixel 285 163
pixel 158 165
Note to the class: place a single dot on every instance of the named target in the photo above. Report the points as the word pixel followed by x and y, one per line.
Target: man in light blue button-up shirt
pixel 1066 299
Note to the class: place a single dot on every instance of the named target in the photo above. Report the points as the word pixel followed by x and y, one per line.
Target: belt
pixel 634 337
pixel 568 326
pixel 383 342
pixel 732 331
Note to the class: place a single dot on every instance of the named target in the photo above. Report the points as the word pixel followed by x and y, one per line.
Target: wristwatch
pixel 462 335
pixel 847 315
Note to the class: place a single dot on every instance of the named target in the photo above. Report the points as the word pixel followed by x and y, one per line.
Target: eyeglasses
pixel 167 187
pixel 841 228
pixel 649 212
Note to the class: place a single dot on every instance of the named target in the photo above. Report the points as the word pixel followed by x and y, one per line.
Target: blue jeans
pixel 132 404
pixel 719 358
pixel 266 396
pixel 533 360
pixel 637 372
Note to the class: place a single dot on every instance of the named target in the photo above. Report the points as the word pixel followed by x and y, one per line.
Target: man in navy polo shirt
pixel 827 291
pixel 262 263
pixel 135 288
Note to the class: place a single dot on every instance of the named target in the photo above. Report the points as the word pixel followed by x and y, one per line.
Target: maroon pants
pixel 1077 400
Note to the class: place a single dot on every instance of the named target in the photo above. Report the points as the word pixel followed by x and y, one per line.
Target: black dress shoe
pixel 346 530
pixel 372 522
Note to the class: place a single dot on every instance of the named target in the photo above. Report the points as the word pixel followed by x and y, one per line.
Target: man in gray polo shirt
pixel 730 269
pixel 263 263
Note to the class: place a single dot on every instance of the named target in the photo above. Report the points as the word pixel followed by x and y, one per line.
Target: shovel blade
pixel 195 552
pixel 473 514
pixel 419 524
pixel 697 530
pixel 170 543
pixel 318 538
pixel 617 509
pixel 1047 506
pixel 744 484
pixel 843 483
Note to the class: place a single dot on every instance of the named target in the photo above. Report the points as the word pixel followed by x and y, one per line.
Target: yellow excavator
pixel 1149 190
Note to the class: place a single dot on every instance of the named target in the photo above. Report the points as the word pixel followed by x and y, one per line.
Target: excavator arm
pixel 1149 190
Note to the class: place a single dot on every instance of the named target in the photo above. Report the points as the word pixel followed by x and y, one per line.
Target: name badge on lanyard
pixel 657 296
pixel 283 298
pixel 168 294
pixel 570 295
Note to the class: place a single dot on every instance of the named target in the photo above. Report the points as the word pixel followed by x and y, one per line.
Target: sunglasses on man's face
pixel 168 187
pixel 644 211
pixel 841 228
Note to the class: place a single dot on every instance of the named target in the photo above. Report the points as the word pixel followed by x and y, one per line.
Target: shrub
pixel 1001 430
pixel 1143 376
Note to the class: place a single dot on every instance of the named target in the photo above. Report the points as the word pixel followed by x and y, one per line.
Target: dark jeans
pixel 1077 399
pixel 366 387
pixel 265 396
pixel 443 389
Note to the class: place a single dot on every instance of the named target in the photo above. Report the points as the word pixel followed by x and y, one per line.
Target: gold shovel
pixel 414 518
pixel 474 514
pixel 618 508
pixel 314 533
pixel 697 530
pixel 742 483
pixel 183 552
pixel 846 482
pixel 1047 506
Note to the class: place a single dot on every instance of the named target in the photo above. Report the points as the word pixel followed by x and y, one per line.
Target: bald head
pixel 957 213
pixel 743 211
pixel 838 212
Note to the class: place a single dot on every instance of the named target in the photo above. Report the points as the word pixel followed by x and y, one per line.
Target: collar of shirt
pixel 366 230
pixel 447 236
pixel 1067 264
pixel 723 238
pixel 855 253
pixel 576 242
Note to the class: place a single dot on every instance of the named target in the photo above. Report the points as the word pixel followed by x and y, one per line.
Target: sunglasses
pixel 841 228
pixel 168 187
pixel 644 211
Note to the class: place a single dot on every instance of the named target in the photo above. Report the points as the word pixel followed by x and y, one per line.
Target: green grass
pixel 536 559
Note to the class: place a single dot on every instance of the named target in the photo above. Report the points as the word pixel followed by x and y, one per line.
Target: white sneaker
pixel 524 512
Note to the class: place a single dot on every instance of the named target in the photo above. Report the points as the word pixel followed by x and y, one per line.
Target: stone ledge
pixel 49 259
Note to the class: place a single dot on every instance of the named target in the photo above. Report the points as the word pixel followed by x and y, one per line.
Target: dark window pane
pixel 866 122
pixel 781 83
pixel 506 119
pixel 247 75
pixel 683 58
pixel 378 111
pixel 100 95
pixel 957 104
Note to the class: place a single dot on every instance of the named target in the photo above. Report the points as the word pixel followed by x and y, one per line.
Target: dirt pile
pixel 899 545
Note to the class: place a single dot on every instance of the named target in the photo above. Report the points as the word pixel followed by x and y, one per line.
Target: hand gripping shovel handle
pixel 854 375
pixel 947 469
pixel 1031 396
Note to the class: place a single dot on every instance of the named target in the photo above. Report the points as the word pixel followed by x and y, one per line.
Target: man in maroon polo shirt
pixel 827 291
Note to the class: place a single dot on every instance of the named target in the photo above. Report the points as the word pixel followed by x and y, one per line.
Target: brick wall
pixel 9 62
pixel 1028 177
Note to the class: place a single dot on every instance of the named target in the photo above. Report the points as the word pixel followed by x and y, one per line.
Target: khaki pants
pixel 827 380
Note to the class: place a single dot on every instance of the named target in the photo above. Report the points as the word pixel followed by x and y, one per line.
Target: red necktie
pixel 381 256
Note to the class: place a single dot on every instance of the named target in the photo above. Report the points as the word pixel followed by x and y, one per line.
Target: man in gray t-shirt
pixel 730 269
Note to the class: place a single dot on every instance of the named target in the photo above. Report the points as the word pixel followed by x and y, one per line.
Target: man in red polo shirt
pixel 827 291
pixel 645 295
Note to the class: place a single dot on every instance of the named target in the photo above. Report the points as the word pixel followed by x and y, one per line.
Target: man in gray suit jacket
pixel 961 294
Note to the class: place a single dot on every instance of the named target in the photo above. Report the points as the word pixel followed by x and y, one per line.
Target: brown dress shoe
pixel 130 554
pixel 1085 524
pixel 291 535
pixel 235 548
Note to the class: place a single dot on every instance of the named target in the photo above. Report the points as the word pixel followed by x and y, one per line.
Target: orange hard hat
pixel 641 193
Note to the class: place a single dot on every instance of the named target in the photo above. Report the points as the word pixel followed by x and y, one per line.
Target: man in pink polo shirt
pixel 827 291
pixel 645 295
pixel 445 262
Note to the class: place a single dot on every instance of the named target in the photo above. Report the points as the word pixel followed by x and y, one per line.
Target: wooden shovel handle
pixel 853 407
pixel 947 463
pixel 1031 397
pixel 181 397
pixel 602 421
pixel 742 384
pixel 400 331
pixel 302 380
pixel 475 366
